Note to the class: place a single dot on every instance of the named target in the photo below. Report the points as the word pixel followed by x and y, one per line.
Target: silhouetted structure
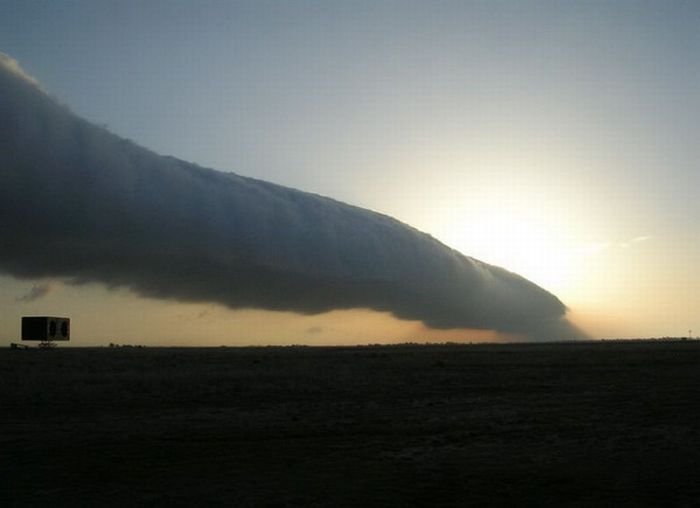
pixel 45 329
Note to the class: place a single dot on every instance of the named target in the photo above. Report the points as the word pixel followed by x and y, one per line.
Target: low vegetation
pixel 569 424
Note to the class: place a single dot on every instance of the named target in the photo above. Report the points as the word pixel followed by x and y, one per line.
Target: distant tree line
pixel 112 344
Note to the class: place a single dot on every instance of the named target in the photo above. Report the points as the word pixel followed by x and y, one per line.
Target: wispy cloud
pixel 36 292
pixel 596 248
pixel 639 239
pixel 636 240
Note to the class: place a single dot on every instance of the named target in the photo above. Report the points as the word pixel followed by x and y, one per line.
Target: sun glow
pixel 522 245
pixel 514 208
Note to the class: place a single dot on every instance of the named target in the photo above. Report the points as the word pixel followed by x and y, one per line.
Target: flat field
pixel 577 424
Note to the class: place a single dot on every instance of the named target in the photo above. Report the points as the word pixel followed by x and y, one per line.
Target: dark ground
pixel 543 425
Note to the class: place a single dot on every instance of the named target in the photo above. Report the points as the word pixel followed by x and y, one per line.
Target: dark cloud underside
pixel 80 203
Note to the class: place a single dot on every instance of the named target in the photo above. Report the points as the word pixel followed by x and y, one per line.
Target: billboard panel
pixel 45 328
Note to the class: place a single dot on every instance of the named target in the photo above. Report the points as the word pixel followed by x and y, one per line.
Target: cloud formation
pixel 83 204
pixel 36 292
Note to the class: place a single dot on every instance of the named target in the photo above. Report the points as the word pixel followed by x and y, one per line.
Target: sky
pixel 554 139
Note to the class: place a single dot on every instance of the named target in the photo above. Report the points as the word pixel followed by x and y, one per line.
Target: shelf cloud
pixel 84 205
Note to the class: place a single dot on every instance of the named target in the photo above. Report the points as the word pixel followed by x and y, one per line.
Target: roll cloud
pixel 80 203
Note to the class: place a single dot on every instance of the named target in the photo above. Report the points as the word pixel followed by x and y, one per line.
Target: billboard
pixel 45 328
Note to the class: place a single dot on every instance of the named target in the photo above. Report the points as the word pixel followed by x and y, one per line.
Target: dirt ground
pixel 583 424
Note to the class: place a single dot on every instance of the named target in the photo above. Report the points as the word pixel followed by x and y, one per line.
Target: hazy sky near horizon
pixel 556 139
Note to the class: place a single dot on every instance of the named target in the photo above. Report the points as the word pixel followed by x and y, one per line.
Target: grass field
pixel 576 424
